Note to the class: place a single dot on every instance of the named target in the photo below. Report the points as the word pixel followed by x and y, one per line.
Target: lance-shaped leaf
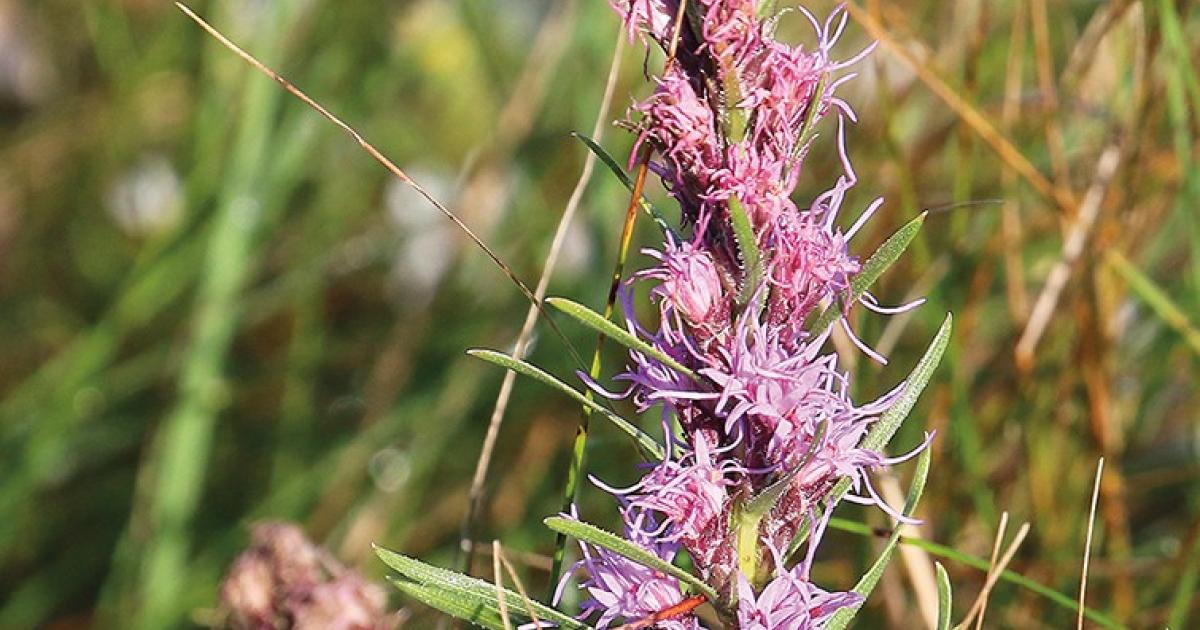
pixel 867 582
pixel 882 431
pixel 607 160
pixel 591 534
pixel 598 323
pixel 945 598
pixel 467 598
pixel 649 447
pixel 878 263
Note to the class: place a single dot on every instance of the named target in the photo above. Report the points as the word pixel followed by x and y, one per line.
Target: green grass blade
pixel 649 447
pixel 465 597
pixel 884 257
pixel 1180 79
pixel 606 158
pixel 594 535
pixel 1012 577
pixel 598 323
pixel 1154 297
pixel 867 582
pixel 1187 589
pixel 945 598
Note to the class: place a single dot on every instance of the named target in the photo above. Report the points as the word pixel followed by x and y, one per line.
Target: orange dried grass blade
pixel 680 609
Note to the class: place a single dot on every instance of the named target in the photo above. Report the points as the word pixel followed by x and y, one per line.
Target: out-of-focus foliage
pixel 214 308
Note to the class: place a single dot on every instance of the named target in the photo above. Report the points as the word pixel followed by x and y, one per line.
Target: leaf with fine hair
pixel 867 582
pixel 647 444
pixel 945 598
pixel 878 263
pixel 882 431
pixel 598 323
pixel 591 534
pixel 465 597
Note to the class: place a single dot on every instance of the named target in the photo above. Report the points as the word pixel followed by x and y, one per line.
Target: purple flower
pixel 619 588
pixel 788 602
pixel 730 119
pixel 692 289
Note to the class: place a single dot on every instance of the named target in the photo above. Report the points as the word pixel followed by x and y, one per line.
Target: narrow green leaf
pixel 1187 589
pixel 878 263
pixel 743 231
pixel 880 434
pixel 883 430
pixel 810 118
pixel 649 447
pixel 597 322
pixel 456 606
pixel 944 597
pixel 765 500
pixel 465 597
pixel 1156 298
pixel 591 534
pixel 607 159
pixel 867 582
pixel 1177 42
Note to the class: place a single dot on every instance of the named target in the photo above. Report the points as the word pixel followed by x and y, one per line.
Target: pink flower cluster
pixel 728 129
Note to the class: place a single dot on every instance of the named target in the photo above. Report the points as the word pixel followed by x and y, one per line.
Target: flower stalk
pixel 759 428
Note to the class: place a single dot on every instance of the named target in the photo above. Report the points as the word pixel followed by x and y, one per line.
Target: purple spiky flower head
pixel 762 405
pixel 618 588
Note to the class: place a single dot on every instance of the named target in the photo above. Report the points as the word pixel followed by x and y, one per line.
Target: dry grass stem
pixel 1087 549
pixel 1050 106
pixel 917 563
pixel 1043 308
pixel 498 579
pixel 1011 229
pixel 498 552
pixel 521 346
pixel 964 110
pixel 383 160
pixel 994 574
pixel 982 599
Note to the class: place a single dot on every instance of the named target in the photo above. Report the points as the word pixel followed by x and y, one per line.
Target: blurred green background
pixel 215 308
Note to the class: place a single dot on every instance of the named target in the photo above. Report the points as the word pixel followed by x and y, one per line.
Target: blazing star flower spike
pixel 765 411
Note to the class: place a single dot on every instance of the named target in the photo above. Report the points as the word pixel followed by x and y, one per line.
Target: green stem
pixel 575 471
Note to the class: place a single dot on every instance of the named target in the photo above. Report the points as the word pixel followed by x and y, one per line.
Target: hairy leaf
pixel 649 447
pixel 944 597
pixel 867 582
pixel 465 597
pixel 594 535
pixel 597 322
pixel 878 263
